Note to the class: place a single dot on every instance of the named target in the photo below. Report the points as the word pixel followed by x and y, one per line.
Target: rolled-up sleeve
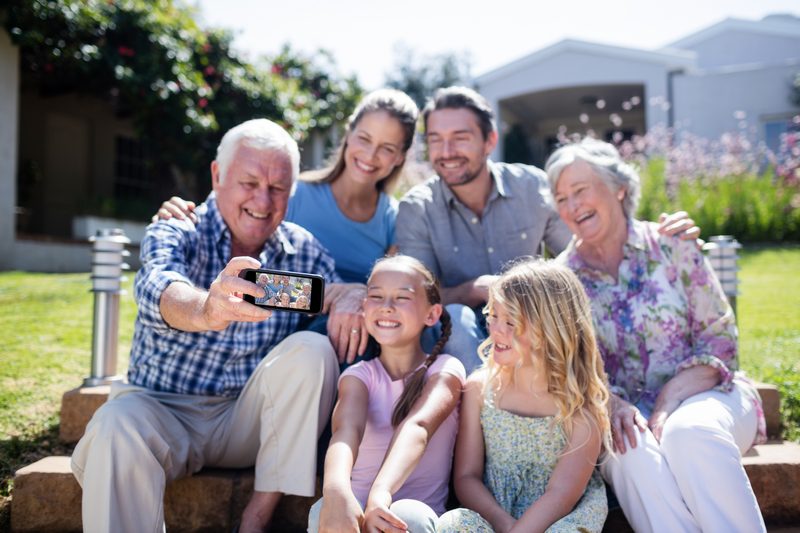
pixel 412 234
pixel 712 323
pixel 164 261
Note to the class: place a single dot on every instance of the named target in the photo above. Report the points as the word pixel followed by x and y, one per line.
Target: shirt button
pixel 491 250
pixel 474 220
pixel 455 248
pixel 524 236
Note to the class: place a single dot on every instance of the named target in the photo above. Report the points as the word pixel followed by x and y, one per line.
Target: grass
pixel 46 330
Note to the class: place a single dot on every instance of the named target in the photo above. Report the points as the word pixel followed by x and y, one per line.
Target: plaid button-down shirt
pixel 211 362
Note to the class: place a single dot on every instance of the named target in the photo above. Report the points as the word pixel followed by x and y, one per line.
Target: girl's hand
pixel 340 512
pixel 625 417
pixel 378 517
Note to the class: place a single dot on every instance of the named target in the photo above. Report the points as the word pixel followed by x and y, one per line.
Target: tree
pixel 181 85
pixel 419 77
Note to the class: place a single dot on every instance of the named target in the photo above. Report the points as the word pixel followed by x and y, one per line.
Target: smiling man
pixel 214 380
pixel 474 215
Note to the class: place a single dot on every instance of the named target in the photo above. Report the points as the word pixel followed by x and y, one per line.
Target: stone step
pixel 78 405
pixel 47 498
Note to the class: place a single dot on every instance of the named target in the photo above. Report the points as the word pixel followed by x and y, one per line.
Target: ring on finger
pixel 354 331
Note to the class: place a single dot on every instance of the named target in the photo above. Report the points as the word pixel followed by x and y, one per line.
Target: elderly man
pixel 476 215
pixel 214 380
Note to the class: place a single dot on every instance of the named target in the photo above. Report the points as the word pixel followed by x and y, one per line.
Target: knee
pixel 313 516
pixel 462 316
pixel 305 351
pixel 683 442
pixel 416 514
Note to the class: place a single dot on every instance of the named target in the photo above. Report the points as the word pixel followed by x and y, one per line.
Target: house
pixel 735 75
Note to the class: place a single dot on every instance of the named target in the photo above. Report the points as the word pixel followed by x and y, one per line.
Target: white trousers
pixel 693 480
pixel 140 439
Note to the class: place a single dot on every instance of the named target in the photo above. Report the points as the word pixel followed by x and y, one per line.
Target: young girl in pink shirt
pixel 394 426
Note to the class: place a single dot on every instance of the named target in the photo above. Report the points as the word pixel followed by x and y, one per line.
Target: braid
pixel 416 381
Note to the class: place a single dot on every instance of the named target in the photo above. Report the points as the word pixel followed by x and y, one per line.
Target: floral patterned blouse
pixel 666 313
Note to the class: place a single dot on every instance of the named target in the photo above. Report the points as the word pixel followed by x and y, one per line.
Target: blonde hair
pixel 547 303
pixel 415 382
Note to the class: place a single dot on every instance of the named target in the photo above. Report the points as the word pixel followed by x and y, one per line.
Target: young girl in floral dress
pixel 394 425
pixel 534 416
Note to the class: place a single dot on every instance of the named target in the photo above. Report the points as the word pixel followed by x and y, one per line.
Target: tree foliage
pixel 419 77
pixel 180 84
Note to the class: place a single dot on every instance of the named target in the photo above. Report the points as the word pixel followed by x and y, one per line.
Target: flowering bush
pixel 729 185
pixel 181 85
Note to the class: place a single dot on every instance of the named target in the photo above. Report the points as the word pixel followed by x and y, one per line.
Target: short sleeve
pixel 447 364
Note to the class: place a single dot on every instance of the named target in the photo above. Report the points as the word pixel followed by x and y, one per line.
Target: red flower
pixel 209 70
pixel 202 103
pixel 277 69
pixel 125 51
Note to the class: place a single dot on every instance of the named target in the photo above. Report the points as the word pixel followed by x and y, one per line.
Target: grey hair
pixel 606 162
pixel 261 134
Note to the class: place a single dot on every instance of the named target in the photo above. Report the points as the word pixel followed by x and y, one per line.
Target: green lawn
pixel 46 329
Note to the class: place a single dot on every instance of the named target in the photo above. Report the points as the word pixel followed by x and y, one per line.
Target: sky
pixel 364 34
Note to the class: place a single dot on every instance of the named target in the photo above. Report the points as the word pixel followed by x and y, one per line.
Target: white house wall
pixel 571 69
pixel 9 105
pixel 743 47
pixel 705 104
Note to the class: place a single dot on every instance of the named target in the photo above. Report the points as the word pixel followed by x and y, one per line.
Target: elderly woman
pixel 681 416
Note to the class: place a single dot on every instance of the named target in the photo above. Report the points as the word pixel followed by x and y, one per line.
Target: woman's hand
pixel 177 208
pixel 661 412
pixel 625 418
pixel 340 512
pixel 378 517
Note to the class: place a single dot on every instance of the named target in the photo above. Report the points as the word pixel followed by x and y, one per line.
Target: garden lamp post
pixel 107 265
pixel 723 256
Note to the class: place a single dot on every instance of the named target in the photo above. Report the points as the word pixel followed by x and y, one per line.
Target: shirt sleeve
pixel 711 320
pixel 447 364
pixel 412 235
pixel 164 261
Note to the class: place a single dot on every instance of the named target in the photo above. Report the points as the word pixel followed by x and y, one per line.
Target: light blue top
pixel 355 246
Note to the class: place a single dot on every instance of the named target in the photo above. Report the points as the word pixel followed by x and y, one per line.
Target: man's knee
pixel 305 351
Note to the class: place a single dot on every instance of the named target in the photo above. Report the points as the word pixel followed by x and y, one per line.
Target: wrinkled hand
pixel 224 303
pixel 346 323
pixel 178 208
pixel 378 517
pixel 625 418
pixel 480 290
pixel 340 513
pixel 680 225
pixel 661 412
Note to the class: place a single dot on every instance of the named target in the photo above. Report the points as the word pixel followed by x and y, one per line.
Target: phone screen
pixel 286 291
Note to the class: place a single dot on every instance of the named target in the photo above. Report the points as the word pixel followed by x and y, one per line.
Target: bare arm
pixel 684 384
pixel 470 293
pixel 340 509
pixel 567 482
pixel 189 308
pixel 438 399
pixel 469 461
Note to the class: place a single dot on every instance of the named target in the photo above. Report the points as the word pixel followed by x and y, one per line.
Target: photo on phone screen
pixel 286 291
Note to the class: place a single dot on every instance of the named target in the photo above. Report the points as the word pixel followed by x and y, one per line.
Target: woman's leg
pixel 418 516
pixel 703 441
pixel 646 489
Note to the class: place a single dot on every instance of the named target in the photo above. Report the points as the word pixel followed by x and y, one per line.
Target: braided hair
pixel 415 382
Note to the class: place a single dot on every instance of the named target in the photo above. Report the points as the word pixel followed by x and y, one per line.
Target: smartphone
pixel 286 291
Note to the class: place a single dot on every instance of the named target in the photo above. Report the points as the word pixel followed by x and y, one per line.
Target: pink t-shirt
pixel 429 481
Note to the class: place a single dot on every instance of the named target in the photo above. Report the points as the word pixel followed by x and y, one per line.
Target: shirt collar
pixel 636 235
pixel 278 241
pixel 499 189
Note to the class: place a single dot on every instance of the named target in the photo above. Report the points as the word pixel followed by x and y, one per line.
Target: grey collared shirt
pixel 458 245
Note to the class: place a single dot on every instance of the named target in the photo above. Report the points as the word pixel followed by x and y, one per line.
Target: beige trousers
pixel 141 439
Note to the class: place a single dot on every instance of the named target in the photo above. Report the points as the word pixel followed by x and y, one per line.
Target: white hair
pixel 606 162
pixel 261 134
